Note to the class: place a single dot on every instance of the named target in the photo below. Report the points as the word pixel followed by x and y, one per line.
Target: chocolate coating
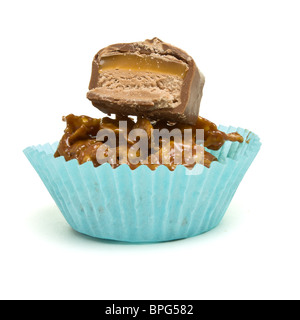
pixel 149 94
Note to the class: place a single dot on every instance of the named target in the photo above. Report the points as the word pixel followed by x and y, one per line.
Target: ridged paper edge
pixel 142 205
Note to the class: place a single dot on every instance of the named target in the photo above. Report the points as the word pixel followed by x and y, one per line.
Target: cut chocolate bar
pixel 151 79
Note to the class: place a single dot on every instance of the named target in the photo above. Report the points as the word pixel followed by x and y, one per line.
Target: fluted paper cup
pixel 142 205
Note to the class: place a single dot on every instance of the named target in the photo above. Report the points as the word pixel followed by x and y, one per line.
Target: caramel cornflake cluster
pixel 80 142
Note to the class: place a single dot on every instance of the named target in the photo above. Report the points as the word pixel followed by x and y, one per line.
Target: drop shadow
pixel 233 217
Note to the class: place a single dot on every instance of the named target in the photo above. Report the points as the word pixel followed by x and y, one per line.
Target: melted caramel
pixel 79 140
pixel 133 62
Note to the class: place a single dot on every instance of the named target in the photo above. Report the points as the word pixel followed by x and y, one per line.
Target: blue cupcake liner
pixel 142 205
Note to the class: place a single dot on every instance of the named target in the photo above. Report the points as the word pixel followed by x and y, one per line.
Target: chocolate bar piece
pixel 151 79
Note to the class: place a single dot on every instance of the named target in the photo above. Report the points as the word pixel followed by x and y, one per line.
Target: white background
pixel 249 52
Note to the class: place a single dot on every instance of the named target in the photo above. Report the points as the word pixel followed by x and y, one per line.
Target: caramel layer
pixel 133 62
